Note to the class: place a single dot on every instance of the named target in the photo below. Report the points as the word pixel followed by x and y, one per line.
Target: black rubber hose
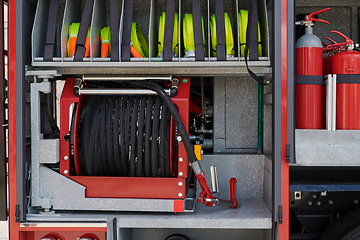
pixel 103 168
pixel 154 140
pixel 116 134
pixel 148 120
pixel 127 131
pixel 132 146
pixel 109 133
pixel 140 143
pixel 55 129
pixel 162 140
pixel 167 140
pixel 93 148
pixel 84 136
pixel 174 112
pixel 122 136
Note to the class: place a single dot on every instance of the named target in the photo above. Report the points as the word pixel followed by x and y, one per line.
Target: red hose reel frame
pixel 127 187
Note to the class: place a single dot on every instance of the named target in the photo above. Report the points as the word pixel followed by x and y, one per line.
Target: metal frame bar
pixel 20 111
pixel 3 182
pixel 290 82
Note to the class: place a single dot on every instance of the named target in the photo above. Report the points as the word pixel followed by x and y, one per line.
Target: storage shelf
pixel 327 148
pixel 253 214
pixel 147 68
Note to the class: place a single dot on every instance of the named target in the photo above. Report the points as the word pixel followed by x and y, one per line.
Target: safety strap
pixel 309 79
pixel 252 40
pixel 50 35
pixel 198 33
pixel 114 26
pixel 348 78
pixel 220 30
pixel 169 30
pixel 84 26
pixel 125 43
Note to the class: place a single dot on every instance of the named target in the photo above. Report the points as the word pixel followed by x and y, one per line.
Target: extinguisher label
pixel 308 79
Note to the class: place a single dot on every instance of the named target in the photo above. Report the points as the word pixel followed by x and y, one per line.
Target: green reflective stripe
pixel 138 39
pixel 74 29
pixel 73 32
pixel 243 22
pixel 228 35
pixel 88 33
pixel 175 41
pixel 106 36
pixel 188 33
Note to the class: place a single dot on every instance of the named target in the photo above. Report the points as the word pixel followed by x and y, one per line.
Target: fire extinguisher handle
pixel 336 46
pixel 311 15
pixel 330 40
pixel 318 20
pixel 347 39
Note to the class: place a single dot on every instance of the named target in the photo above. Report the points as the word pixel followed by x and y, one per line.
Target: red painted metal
pixel 68 235
pixel 284 226
pixel 54 236
pixel 309 100
pixel 327 65
pixel 67 99
pixel 139 187
pixel 233 192
pixel 347 94
pixel 14 226
pixel 205 196
pixel 179 206
pixel 182 103
pixel 307 61
pixel 132 187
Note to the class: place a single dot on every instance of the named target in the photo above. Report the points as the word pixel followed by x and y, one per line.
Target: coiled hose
pixel 125 136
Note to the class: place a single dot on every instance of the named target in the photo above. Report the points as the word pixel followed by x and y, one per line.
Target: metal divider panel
pixel 98 21
pixel 153 31
pixel 38 35
pixel 72 14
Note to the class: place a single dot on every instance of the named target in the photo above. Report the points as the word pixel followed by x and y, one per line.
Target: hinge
pixel 17 212
pixel 280 214
pixel 288 153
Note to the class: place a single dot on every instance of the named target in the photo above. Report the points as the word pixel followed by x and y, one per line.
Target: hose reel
pixel 124 136
pixel 124 144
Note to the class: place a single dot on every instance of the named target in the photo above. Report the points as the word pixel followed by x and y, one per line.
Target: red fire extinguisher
pixel 309 110
pixel 330 51
pixel 346 66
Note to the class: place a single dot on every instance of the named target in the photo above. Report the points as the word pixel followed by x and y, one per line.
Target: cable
pixel 50 117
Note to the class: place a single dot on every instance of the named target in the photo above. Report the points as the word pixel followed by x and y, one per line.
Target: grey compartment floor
pixel 253 214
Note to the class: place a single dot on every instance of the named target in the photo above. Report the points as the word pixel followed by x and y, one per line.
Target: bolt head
pixel 66 157
pixel 181 173
pixel 356 202
pixel 180 184
pixel 181 159
pixel 180 194
pixel 331 202
pixel 66 171
pixel 179 139
pixel 318 203
pixel 309 203
pixel 314 196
